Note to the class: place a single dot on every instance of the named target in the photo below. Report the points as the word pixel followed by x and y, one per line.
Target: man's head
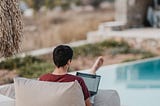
pixel 62 54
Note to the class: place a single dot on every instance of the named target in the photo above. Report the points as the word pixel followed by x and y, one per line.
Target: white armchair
pixel 103 97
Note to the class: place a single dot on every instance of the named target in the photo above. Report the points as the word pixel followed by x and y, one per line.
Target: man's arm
pixel 87 102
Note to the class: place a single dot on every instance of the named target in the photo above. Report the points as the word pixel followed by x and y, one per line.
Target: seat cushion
pixel 30 92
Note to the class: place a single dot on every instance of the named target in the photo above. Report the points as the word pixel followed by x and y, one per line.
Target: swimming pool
pixel 138 83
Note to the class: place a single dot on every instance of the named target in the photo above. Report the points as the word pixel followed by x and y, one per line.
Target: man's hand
pixel 87 102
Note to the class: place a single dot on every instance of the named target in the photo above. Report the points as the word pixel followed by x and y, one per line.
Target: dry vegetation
pixel 50 28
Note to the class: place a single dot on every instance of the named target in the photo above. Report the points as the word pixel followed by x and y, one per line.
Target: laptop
pixel 91 81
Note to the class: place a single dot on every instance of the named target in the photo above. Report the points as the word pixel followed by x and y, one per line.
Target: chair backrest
pixel 29 92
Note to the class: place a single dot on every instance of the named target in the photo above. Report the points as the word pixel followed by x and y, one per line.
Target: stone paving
pixel 145 33
pixel 139 33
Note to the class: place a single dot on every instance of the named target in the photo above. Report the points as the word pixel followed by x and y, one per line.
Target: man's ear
pixel 69 62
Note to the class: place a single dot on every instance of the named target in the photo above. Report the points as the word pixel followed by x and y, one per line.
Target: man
pixel 62 57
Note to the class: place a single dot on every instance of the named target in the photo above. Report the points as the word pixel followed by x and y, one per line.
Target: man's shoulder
pixel 75 77
pixel 44 75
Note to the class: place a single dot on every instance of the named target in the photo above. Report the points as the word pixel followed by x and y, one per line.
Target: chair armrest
pixel 8 90
pixel 107 98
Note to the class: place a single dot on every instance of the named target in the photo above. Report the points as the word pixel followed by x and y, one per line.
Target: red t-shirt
pixel 66 78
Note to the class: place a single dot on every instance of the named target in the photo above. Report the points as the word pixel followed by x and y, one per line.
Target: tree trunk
pixel 10 27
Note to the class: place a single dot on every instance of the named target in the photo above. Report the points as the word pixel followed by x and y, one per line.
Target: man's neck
pixel 60 71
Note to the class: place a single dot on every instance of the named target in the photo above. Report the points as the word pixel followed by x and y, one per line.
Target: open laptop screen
pixel 91 81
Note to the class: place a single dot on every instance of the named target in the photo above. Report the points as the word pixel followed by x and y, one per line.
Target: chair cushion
pixel 8 90
pixel 30 92
pixel 107 98
pixel 6 101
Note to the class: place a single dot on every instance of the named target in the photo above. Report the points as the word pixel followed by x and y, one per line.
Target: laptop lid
pixel 91 81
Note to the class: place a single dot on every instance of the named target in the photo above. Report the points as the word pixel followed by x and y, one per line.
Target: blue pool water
pixel 137 83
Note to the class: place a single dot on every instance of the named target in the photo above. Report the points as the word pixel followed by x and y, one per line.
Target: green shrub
pixel 35 70
pixel 147 55
pixel 113 44
pixel 99 48
pixel 17 63
pixel 135 51
pixel 129 60
pixel 87 50
pixel 96 3
pixel 30 67
pixel 120 50
pixel 11 64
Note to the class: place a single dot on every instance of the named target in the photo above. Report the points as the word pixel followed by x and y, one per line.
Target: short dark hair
pixel 61 55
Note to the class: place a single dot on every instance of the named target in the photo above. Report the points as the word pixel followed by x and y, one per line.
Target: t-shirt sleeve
pixel 84 89
pixel 41 78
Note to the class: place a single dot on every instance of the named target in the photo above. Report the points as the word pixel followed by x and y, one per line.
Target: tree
pixel 96 3
pixel 35 4
pixel 10 27
pixel 49 4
